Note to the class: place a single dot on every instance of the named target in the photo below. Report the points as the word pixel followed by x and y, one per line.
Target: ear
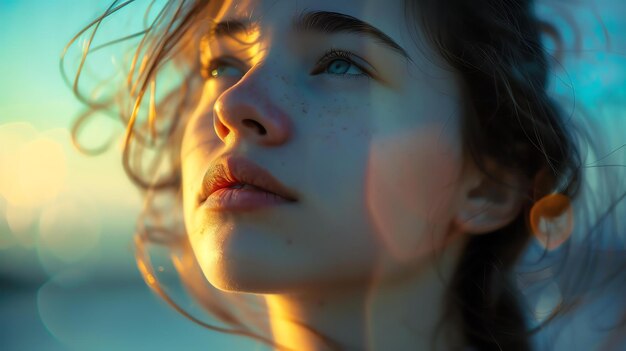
pixel 487 203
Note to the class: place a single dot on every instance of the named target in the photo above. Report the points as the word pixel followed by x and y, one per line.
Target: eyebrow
pixel 316 21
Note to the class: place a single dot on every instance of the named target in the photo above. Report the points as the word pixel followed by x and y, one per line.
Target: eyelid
pixel 221 60
pixel 334 54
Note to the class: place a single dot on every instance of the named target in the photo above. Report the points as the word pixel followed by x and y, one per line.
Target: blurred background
pixel 68 278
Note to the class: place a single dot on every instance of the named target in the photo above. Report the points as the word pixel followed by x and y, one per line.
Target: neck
pixel 399 313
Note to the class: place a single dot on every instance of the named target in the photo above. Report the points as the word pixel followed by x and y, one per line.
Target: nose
pixel 249 110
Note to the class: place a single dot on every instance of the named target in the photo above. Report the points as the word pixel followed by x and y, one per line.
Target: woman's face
pixel 367 136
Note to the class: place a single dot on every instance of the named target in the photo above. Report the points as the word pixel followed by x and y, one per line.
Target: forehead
pixel 277 16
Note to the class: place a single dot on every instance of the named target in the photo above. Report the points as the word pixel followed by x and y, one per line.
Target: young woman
pixel 370 171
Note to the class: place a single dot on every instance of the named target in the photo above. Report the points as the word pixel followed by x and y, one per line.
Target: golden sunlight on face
pixel 369 142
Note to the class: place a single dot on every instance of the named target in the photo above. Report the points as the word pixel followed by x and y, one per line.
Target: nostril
pixel 254 124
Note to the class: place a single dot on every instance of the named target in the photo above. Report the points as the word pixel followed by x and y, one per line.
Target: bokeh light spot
pixel 20 221
pixel 69 230
pixel 41 172
pixel 33 166
pixel 7 240
pixel 548 302
pixel 12 137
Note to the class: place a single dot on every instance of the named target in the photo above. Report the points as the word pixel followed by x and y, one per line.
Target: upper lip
pixel 229 170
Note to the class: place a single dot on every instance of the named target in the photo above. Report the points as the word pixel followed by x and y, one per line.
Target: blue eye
pixel 341 64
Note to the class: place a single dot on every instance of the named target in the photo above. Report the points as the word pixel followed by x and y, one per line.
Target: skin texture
pixel 386 198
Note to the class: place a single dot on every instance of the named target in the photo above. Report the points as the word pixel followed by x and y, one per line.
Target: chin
pixel 231 275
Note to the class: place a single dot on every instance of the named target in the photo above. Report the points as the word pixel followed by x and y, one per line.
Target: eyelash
pixel 320 67
pixel 334 54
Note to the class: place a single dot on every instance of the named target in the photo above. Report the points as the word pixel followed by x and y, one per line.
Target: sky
pixel 61 211
pixel 44 179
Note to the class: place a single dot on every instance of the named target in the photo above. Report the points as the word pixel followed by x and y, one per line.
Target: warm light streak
pixel 146 272
pixel 152 111
pixel 131 122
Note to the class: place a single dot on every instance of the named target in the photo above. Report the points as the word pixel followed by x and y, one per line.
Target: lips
pixel 235 172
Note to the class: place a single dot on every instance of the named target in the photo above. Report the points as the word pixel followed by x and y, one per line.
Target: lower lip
pixel 232 199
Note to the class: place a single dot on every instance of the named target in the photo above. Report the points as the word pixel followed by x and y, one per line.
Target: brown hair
pixel 494 46
pixel 508 119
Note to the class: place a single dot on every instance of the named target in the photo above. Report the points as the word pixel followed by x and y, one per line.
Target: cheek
pixel 410 187
pixel 199 146
pixel 193 166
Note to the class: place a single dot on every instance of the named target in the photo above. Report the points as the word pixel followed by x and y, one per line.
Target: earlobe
pixel 552 220
pixel 487 204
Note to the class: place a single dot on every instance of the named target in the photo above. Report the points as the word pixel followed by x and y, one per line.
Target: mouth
pixel 242 199
pixel 238 184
